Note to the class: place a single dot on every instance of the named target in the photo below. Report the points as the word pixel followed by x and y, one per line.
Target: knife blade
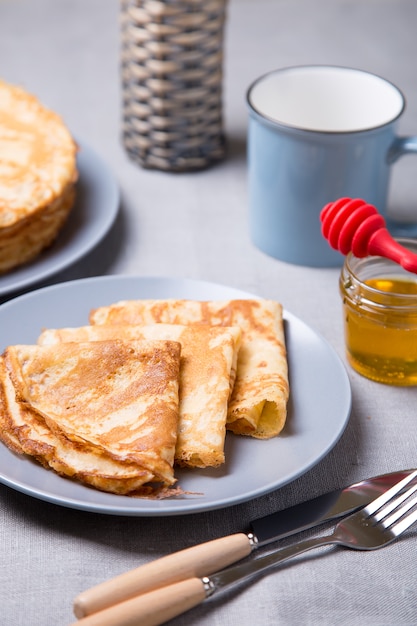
pixel 161 605
pixel 211 556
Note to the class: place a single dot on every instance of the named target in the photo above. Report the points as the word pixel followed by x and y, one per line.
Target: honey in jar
pixel 380 318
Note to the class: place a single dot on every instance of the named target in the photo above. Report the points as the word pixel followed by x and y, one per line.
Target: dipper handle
pixel 353 225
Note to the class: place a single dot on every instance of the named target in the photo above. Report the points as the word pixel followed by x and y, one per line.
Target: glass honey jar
pixel 380 318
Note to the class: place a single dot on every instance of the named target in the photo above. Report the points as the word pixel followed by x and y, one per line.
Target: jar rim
pixel 381 267
pixel 357 270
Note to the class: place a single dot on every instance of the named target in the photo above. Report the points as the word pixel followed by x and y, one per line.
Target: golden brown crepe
pixel 38 172
pixel 258 406
pixel 8 435
pixel 207 373
pixel 25 431
pixel 105 412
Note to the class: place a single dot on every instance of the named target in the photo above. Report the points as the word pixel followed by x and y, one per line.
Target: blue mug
pixel 316 134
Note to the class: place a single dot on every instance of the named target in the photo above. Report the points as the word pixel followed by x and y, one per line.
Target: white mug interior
pixel 326 99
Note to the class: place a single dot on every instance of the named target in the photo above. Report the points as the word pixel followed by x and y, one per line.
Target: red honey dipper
pixel 353 225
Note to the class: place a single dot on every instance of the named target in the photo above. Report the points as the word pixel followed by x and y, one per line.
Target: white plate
pixel 318 411
pixel 94 212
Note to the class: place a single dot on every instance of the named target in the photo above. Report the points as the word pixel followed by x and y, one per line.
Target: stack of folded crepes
pixel 38 173
pixel 206 375
pixel 146 386
pixel 258 405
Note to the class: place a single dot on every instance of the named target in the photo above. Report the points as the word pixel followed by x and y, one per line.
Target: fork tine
pixel 405 523
pixel 394 503
pixel 399 513
pixel 385 497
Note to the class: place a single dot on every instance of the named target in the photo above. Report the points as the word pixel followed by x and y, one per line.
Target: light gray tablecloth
pixel 195 226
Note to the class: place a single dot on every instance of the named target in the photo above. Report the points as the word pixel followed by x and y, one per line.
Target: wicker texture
pixel 172 57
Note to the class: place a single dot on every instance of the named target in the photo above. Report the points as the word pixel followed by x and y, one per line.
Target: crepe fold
pixel 104 412
pixel 207 374
pixel 258 404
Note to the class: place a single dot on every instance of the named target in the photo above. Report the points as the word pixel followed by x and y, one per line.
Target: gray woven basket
pixel 171 66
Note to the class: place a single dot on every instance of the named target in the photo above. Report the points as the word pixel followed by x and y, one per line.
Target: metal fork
pixel 377 525
pixel 372 527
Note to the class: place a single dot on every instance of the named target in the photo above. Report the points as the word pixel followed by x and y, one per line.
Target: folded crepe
pixel 207 374
pixel 105 412
pixel 24 431
pixel 258 405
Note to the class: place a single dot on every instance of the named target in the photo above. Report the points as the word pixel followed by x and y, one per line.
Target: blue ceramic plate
pixel 318 410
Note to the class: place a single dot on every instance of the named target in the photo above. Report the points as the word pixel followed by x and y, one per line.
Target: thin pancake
pixel 38 172
pixel 258 406
pixel 24 431
pixel 116 398
pixel 207 374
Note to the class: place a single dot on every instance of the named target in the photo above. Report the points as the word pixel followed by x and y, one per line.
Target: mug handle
pixel 400 147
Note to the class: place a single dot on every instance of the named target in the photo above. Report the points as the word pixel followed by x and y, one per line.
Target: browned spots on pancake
pixel 261 386
pixel 104 412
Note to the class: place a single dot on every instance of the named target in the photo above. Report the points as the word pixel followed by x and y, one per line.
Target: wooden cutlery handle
pixel 195 562
pixel 150 609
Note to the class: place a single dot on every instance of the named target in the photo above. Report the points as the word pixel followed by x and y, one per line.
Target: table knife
pixel 211 556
